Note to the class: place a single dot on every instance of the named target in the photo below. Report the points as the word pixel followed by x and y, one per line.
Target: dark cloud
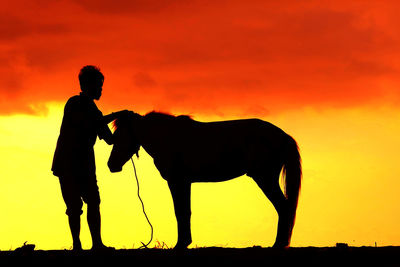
pixel 14 26
pixel 127 7
pixel 144 80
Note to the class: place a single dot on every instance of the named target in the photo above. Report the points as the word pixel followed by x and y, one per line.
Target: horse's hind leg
pixel 269 184
pixel 180 192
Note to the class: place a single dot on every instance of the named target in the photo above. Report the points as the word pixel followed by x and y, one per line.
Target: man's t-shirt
pixel 81 124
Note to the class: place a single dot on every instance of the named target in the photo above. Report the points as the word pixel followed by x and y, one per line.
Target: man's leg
pixel 92 198
pixel 94 222
pixel 75 226
pixel 74 204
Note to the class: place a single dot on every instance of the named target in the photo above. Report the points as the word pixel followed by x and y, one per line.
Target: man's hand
pixel 115 115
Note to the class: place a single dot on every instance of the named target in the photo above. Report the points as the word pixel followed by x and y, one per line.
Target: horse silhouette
pixel 186 151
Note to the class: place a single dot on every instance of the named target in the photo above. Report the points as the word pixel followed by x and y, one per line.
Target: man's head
pixel 91 80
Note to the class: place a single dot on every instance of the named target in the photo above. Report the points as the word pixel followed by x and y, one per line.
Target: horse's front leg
pixel 180 191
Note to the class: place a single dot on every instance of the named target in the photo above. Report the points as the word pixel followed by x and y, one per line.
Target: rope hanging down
pixel 144 212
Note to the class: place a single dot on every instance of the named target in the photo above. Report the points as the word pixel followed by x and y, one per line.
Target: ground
pixel 213 256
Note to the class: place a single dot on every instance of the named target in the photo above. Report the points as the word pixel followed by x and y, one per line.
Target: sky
pixel 326 72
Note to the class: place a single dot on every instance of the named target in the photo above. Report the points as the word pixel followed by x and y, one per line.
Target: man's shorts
pixel 75 188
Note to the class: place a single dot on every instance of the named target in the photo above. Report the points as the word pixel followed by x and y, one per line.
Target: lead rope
pixel 144 212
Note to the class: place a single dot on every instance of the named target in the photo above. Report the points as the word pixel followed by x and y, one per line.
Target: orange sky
pixel 201 56
pixel 327 72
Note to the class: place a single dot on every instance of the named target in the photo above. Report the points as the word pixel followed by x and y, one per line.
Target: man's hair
pixel 88 75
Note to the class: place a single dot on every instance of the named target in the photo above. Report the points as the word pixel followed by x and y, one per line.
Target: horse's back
pixel 227 149
pixel 240 130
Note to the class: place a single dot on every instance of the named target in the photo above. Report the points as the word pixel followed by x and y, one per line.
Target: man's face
pixel 95 89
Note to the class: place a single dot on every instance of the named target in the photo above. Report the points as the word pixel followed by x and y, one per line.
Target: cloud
pixel 144 80
pixel 201 57
pixel 127 7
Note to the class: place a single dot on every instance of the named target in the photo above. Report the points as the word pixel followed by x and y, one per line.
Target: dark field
pixel 308 256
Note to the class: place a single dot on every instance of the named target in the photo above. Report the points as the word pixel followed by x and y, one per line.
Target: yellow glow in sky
pixel 349 192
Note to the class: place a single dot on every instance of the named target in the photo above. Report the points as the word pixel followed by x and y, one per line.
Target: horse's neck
pixel 154 134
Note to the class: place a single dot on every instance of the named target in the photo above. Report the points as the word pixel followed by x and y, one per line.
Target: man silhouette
pixel 74 161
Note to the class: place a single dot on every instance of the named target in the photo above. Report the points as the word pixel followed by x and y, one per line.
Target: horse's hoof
pixel 280 245
pixel 180 248
pixel 182 245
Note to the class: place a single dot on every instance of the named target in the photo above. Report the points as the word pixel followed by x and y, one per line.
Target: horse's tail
pixel 291 176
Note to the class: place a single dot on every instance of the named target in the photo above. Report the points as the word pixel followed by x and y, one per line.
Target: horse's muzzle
pixel 114 168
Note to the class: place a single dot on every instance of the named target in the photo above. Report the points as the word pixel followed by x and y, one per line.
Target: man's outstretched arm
pixel 104 131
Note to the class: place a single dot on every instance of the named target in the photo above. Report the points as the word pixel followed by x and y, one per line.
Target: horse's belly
pixel 214 177
pixel 215 170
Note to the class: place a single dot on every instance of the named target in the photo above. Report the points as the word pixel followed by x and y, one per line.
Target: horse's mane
pixel 123 120
pixel 165 115
pixel 117 123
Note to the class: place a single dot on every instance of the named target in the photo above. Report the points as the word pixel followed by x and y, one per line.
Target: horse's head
pixel 126 142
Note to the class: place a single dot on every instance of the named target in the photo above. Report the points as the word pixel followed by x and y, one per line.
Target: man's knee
pixel 74 207
pixel 71 212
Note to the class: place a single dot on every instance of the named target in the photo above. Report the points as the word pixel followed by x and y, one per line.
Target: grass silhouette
pixel 162 254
